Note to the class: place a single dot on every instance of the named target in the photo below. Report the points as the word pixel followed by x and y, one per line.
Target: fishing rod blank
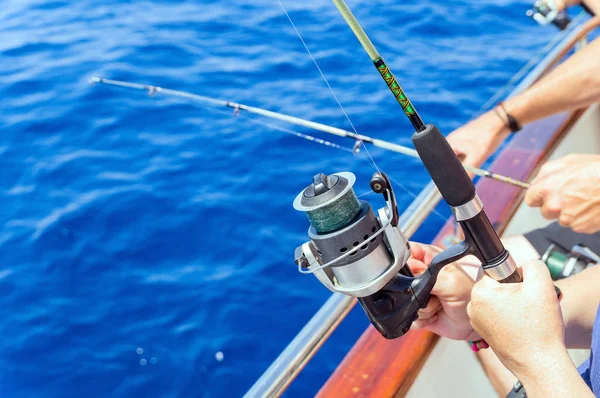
pixel 300 122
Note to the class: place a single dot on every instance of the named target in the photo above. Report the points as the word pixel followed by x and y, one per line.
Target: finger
pixel 421 324
pixel 535 194
pixel 416 266
pixel 424 252
pixel 486 282
pixel 456 147
pixel 565 219
pixel 470 310
pixel 586 223
pixel 548 168
pixel 432 308
pixel 535 271
pixel 473 160
pixel 482 288
pixel 551 207
pixel 417 250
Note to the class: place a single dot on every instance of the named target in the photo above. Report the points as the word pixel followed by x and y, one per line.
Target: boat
pixel 421 364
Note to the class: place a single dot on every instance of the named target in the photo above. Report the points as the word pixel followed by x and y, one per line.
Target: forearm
pixel 593 5
pixel 554 376
pixel 574 84
pixel 581 297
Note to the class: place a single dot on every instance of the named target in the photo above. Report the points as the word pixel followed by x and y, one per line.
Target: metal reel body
pixel 377 261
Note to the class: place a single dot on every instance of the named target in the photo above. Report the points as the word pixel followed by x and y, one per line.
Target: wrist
pixel 508 119
pixel 543 365
pixel 497 125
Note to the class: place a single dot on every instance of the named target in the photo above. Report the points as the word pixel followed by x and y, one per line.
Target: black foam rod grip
pixel 443 166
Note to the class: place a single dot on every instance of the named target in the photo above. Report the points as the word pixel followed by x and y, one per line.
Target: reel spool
pixel 563 265
pixel 351 251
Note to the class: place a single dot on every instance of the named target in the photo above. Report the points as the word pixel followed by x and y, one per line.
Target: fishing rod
pixel 299 122
pixel 355 252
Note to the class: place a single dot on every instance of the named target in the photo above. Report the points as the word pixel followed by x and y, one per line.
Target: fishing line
pixel 328 85
pixel 343 110
pixel 329 144
pixel 364 194
pixel 284 130
pixel 326 143
pixel 297 121
pixel 434 211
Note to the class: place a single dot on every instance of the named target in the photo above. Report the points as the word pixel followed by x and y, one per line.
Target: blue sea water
pixel 147 243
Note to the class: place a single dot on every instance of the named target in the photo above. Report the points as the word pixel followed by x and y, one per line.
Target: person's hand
pixel 522 322
pixel 446 312
pixel 477 140
pixel 569 189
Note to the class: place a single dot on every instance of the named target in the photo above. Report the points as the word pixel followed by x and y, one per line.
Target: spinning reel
pixel 545 12
pixel 563 264
pixel 354 252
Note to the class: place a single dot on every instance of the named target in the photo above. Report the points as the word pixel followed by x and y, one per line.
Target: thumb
pixel 486 282
pixel 471 159
pixel 535 271
pixel 416 266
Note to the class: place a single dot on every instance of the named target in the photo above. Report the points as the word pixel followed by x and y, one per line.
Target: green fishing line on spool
pixel 329 202
pixel 335 215
pixel 555 261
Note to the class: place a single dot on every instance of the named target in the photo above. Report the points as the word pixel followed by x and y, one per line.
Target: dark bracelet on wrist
pixel 507 118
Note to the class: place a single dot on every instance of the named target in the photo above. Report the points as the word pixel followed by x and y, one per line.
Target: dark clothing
pixel 563 237
pixel 590 369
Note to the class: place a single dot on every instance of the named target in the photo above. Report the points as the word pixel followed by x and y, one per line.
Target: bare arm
pixel 554 376
pixel 581 297
pixel 572 85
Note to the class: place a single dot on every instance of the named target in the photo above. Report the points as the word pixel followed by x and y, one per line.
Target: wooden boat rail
pixel 376 367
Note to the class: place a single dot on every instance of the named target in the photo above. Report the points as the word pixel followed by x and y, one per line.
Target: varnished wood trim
pixel 374 364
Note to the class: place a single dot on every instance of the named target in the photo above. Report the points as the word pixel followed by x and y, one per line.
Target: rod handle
pixel 443 166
